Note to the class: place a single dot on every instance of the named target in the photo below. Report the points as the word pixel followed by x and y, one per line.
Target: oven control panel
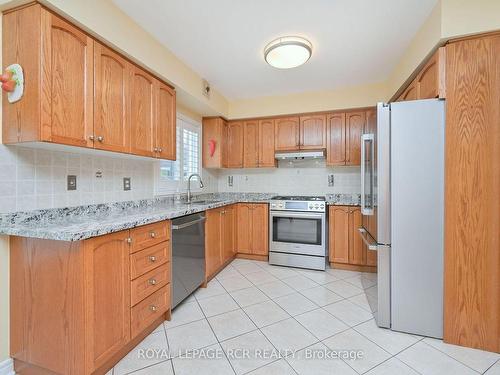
pixel 315 206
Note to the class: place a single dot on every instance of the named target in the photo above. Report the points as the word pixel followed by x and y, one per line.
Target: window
pixel 173 175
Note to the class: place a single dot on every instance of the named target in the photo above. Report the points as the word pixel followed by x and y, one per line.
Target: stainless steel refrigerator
pixel 402 203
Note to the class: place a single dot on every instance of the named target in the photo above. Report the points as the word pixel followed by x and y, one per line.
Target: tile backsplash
pixel 36 178
pixel 32 178
pixel 309 177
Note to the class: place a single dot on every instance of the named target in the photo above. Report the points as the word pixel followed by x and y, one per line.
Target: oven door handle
pixel 302 215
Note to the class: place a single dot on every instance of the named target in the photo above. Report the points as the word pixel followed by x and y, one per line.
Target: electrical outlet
pixel 330 180
pixel 127 183
pixel 71 185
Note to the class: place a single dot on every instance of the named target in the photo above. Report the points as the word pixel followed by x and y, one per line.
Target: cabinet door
pixel 251 144
pixel 312 132
pixel 224 146
pixel 410 93
pixel 67 82
pixel 165 122
pixel 260 229
pixel 336 142
pixel 244 228
pixel 339 234
pixel 235 145
pixel 213 241
pixel 228 233
pixel 111 100
pixel 355 123
pixel 357 248
pixel 142 124
pixel 107 289
pixel 266 143
pixel 287 133
pixel 430 81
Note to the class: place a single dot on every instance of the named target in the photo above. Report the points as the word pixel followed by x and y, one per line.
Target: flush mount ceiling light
pixel 288 52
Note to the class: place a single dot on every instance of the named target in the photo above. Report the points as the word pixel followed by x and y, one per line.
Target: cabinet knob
pixel 152 234
pixel 152 258
pixel 100 138
pixel 91 137
pixel 153 308
pixel 160 150
pixel 155 149
pixel 129 240
pixel 152 281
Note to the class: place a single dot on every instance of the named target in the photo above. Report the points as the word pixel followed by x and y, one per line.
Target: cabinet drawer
pixel 148 235
pixel 149 283
pixel 148 259
pixel 148 310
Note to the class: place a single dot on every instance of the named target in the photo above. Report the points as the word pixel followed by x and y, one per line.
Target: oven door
pixel 297 232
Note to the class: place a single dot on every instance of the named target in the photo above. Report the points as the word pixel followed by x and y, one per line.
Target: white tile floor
pixel 252 310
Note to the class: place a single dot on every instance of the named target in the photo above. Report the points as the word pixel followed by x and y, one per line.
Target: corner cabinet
pixel 93 300
pixel 79 92
pixel 252 230
pixel 219 239
pixel 346 248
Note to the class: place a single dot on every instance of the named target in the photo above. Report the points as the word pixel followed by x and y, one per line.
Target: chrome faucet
pixel 189 185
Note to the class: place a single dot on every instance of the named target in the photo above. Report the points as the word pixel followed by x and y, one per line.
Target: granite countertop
pixel 82 222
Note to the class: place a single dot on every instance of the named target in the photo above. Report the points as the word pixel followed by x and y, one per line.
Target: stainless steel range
pixel 297 232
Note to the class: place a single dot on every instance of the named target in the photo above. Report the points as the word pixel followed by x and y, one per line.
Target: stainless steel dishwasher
pixel 188 255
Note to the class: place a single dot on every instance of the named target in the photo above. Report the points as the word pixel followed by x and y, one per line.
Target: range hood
pixel 300 155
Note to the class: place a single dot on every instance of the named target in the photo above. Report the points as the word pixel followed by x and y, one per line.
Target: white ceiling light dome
pixel 288 52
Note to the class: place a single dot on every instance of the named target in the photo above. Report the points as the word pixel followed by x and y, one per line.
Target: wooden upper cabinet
pixel 107 263
pixel 355 123
pixel 260 228
pixel 312 132
pixel 336 139
pixel 213 131
pixel 112 100
pixel 251 144
pixel 165 124
pixel 410 93
pixel 431 79
pixel 266 143
pixel 67 69
pixel 143 108
pixel 235 134
pixel 287 133
pixel 339 234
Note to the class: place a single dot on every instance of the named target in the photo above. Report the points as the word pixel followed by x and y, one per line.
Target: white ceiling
pixel 354 41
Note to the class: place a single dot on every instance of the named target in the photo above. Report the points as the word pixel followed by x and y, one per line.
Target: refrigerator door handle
pixel 370 243
pixel 366 138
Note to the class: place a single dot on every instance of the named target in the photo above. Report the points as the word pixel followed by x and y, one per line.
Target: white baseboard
pixel 7 367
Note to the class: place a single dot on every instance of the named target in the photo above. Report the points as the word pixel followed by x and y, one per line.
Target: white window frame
pixel 163 187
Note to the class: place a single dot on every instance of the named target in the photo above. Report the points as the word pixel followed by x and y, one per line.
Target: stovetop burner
pixel 298 198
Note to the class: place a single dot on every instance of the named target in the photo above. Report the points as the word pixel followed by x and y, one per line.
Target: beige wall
pixel 464 17
pixel 106 21
pixel 348 97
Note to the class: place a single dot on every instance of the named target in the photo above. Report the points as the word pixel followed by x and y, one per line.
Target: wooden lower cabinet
pixel 345 245
pixel 219 239
pixel 253 229
pixel 79 307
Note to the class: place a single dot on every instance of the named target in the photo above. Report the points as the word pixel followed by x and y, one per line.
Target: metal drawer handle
pixel 153 308
pixel 152 258
pixel 152 234
pixel 152 281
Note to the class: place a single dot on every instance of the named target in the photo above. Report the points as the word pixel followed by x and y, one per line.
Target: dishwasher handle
pixel 188 224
